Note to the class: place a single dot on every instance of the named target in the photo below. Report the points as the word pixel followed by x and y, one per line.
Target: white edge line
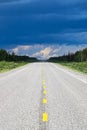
pixel 69 73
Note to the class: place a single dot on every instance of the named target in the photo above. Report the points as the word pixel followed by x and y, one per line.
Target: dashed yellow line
pixel 45 117
pixel 44 100
pixel 44 92
pixel 44 86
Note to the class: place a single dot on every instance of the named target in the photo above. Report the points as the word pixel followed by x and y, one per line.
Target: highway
pixel 43 96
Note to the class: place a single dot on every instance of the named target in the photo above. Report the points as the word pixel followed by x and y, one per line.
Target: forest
pixel 6 56
pixel 78 56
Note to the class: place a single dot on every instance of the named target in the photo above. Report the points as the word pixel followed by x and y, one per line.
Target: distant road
pixel 43 96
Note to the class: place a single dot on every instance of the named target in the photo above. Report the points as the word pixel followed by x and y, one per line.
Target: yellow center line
pixel 44 92
pixel 44 100
pixel 45 117
pixel 44 86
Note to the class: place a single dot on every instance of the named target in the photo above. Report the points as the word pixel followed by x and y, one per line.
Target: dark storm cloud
pixel 41 21
pixel 5 1
pixel 43 7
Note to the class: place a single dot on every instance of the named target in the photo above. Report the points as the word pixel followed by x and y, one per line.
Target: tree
pixel 84 54
pixel 78 56
pixel 4 55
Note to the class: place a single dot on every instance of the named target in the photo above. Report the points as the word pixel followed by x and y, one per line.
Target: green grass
pixel 79 66
pixel 6 66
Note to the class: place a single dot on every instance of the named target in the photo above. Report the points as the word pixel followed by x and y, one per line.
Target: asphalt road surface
pixel 43 96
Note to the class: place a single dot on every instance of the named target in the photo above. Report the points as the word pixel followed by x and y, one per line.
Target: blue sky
pixel 43 28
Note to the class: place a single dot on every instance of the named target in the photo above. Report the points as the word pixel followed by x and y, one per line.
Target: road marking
pixel 45 92
pixel 45 117
pixel 71 74
pixel 44 86
pixel 44 100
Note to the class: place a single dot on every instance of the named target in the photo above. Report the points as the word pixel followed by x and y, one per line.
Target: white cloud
pixel 55 51
pixel 15 50
pixel 65 48
pixel 45 51
pixel 22 48
pixel 36 54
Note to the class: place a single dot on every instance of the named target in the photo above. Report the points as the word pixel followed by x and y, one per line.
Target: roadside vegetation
pixel 6 66
pixel 76 61
pixel 10 61
pixel 79 66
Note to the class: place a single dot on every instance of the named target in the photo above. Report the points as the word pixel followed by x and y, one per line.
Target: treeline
pixel 6 56
pixel 78 56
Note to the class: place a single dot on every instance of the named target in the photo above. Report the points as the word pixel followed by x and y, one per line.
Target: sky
pixel 43 28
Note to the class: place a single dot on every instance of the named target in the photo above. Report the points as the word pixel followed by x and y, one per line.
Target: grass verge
pixel 79 66
pixel 6 66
